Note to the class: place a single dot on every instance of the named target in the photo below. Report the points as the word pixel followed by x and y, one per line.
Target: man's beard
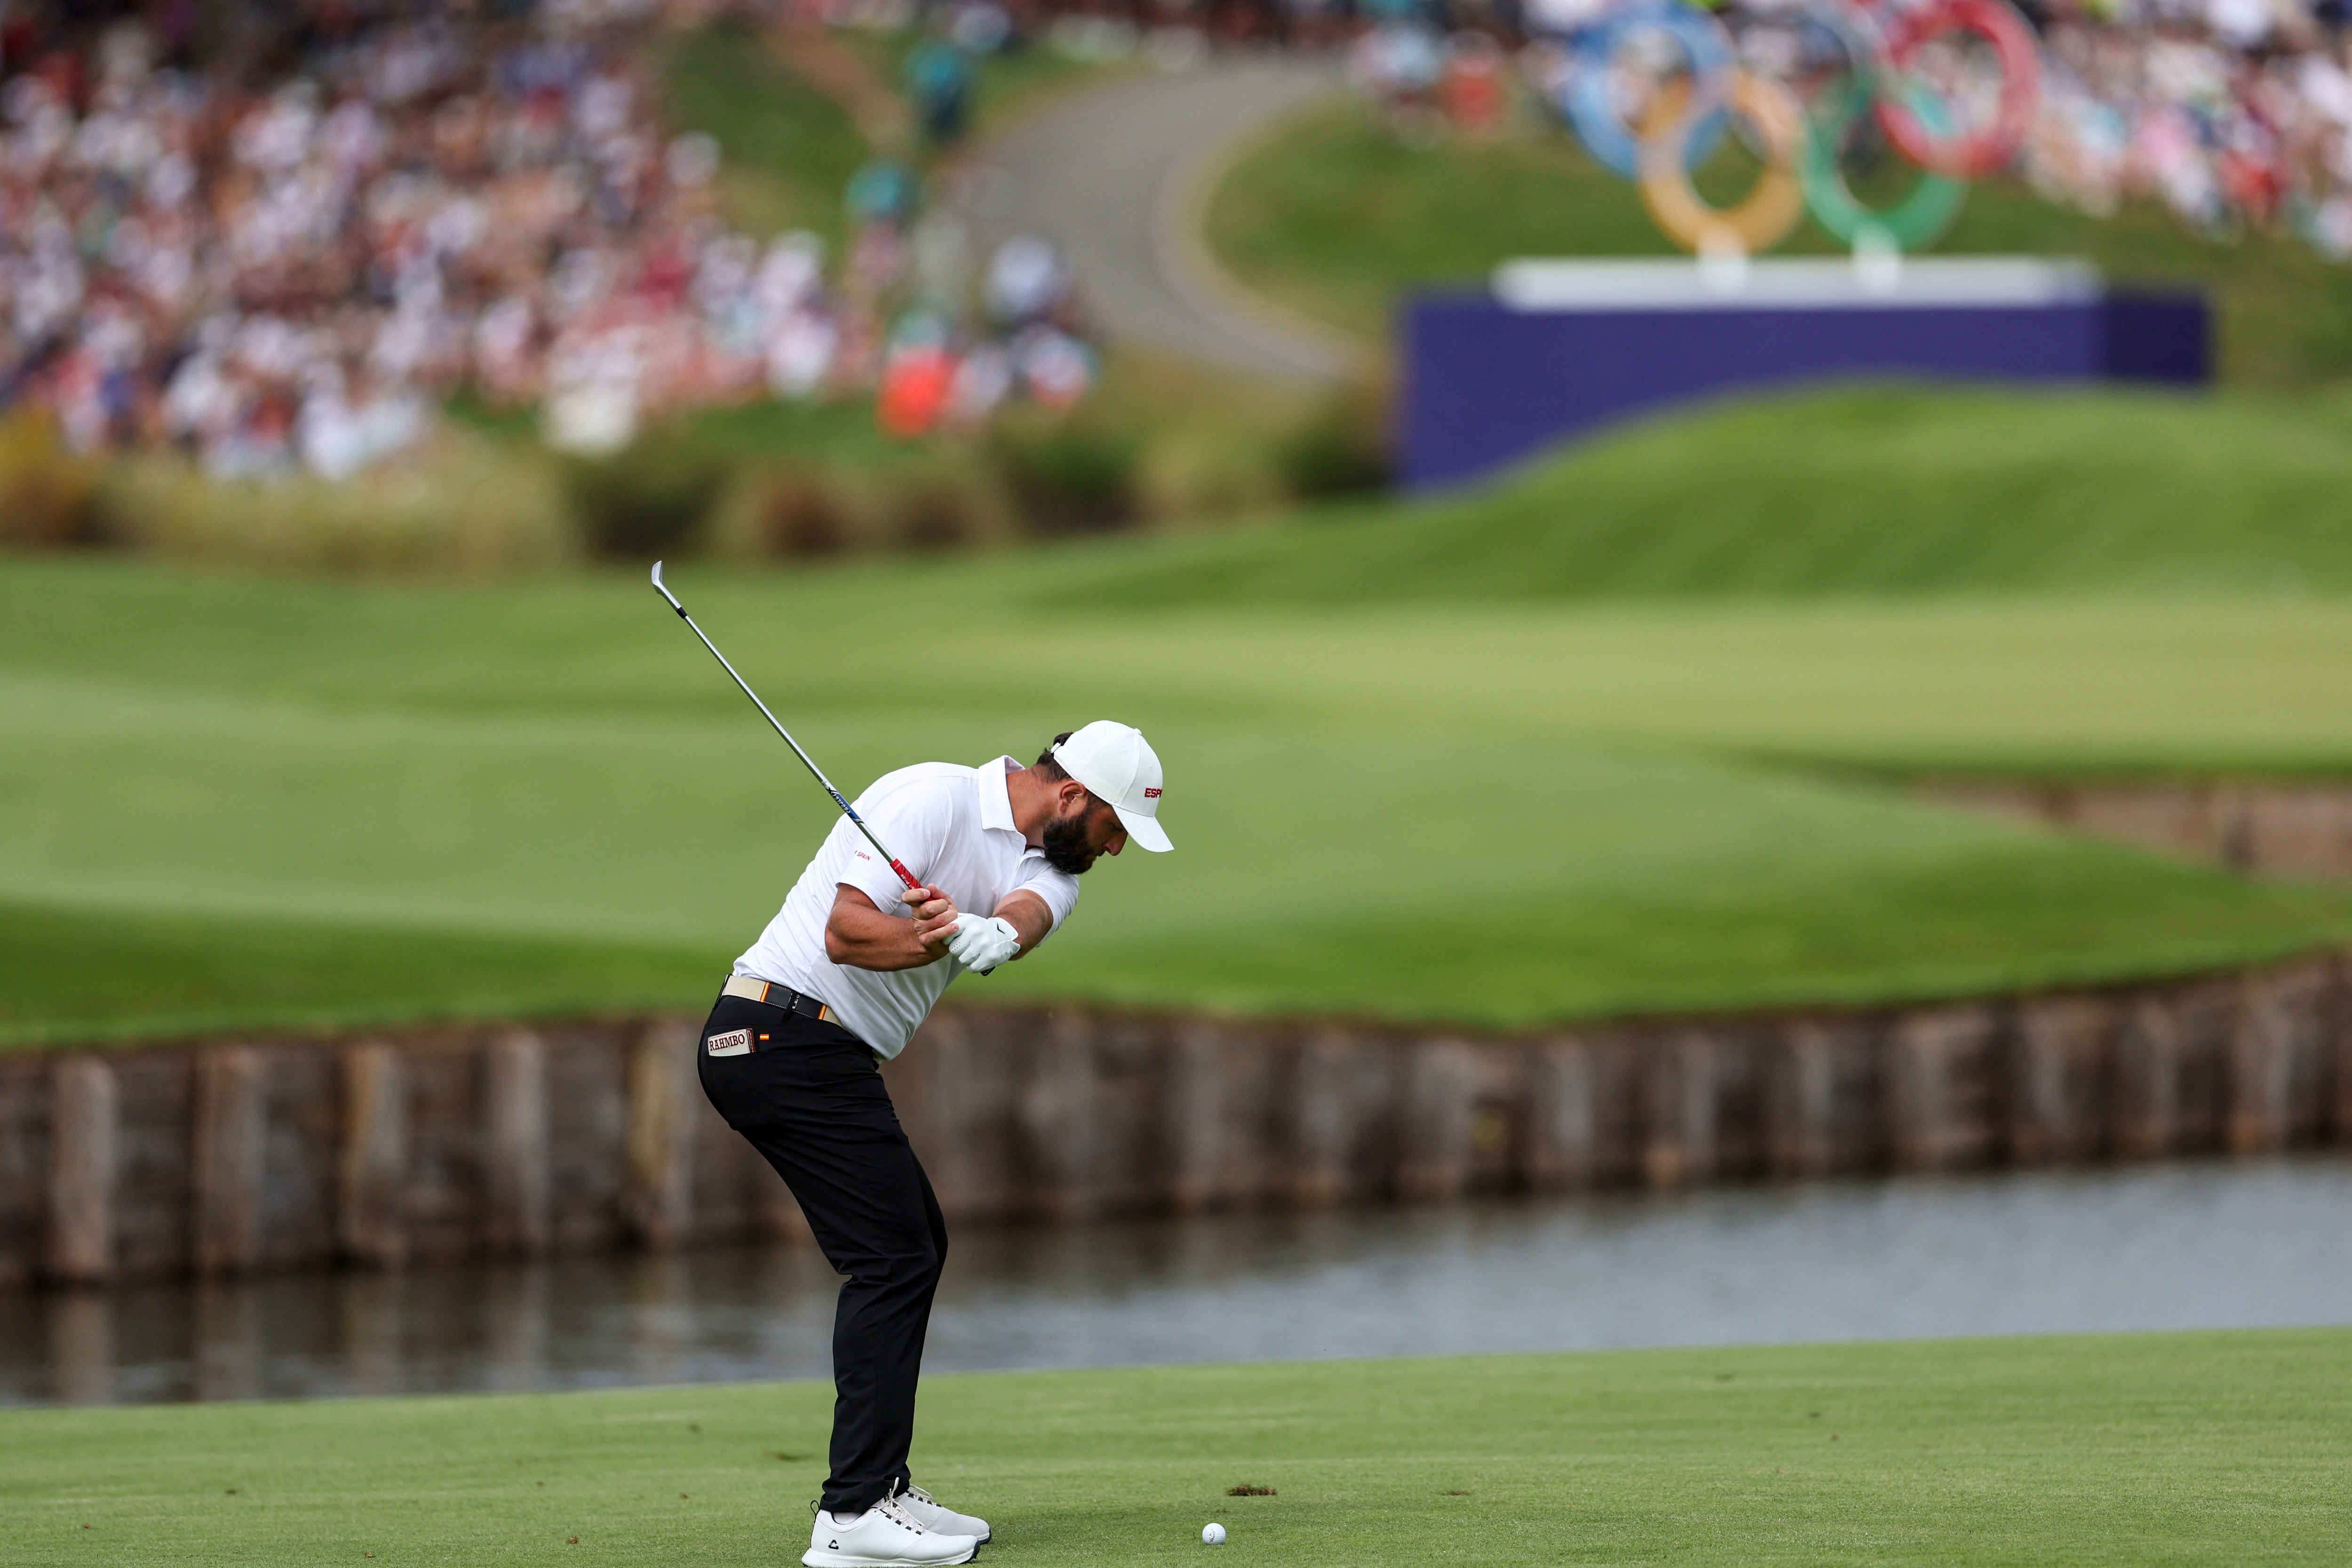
pixel 1066 846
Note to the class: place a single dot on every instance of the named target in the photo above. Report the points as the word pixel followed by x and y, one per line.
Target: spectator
pixel 938 87
pixel 290 272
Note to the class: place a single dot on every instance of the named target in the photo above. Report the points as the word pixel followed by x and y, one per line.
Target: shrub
pixel 802 517
pixel 49 497
pixel 1340 449
pixel 461 503
pixel 1068 475
pixel 930 514
pixel 653 498
pixel 1198 475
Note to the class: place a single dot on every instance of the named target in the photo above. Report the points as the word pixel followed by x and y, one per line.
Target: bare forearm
pixel 862 936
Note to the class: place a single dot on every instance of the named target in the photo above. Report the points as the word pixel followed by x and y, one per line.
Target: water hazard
pixel 2170 1247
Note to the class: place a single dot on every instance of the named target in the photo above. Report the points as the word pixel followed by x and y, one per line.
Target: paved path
pixel 1116 176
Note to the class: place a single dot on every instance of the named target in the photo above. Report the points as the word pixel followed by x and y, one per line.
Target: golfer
pixel 841 978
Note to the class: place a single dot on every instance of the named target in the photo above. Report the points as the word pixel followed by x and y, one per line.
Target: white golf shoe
pixel 885 1536
pixel 925 1510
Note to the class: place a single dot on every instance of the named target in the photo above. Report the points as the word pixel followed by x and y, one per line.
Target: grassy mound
pixel 1335 218
pixel 2189 1448
pixel 1872 489
pixel 1497 814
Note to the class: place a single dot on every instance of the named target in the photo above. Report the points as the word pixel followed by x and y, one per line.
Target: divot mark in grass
pixel 1245 1490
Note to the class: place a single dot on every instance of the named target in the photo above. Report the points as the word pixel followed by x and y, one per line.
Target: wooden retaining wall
pixel 230 1157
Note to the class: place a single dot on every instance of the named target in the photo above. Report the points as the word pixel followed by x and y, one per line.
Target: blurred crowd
pixel 294 266
pixel 2235 114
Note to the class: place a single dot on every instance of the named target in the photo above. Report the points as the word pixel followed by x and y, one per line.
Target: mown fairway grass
pixel 2222 1449
pixel 185 973
pixel 1336 217
pixel 1546 754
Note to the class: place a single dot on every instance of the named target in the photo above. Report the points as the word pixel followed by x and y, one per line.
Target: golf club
pixel 846 809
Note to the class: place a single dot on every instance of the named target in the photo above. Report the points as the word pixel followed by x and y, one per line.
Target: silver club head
pixel 665 591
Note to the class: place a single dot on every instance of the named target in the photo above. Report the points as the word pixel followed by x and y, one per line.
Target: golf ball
pixel 1214 1534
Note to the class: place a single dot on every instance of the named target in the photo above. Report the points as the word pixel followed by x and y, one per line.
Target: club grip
pixel 904 875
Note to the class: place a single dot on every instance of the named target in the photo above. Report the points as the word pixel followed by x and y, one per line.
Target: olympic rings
pixel 1911 224
pixel 1587 99
pixel 1763 218
pixel 1799 147
pixel 1973 154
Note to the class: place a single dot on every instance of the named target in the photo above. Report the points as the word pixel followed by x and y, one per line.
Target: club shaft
pixel 847 810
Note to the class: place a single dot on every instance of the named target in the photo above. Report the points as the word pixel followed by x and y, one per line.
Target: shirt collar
pixel 995 800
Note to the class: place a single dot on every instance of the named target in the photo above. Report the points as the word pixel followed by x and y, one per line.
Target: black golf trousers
pixel 811 1100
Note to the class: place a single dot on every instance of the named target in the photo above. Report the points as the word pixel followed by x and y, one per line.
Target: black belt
pixel 751 989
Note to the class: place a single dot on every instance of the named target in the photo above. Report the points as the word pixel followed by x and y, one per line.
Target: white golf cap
pixel 1117 764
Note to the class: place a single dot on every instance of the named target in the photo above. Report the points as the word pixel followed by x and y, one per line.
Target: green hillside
pixel 1876 490
pixel 2172 1449
pixel 1334 217
pixel 788 151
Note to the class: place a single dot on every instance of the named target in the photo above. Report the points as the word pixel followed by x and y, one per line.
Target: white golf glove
pixel 982 941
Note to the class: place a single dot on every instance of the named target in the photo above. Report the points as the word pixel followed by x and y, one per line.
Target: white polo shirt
pixel 953 827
